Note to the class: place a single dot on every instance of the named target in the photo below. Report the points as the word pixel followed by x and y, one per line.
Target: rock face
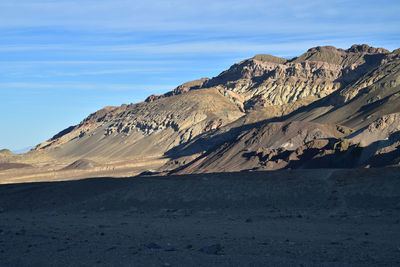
pixel 267 80
pixel 267 146
pixel 383 128
pixel 318 109
pixel 305 145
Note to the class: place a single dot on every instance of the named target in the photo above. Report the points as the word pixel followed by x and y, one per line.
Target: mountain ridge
pixel 331 87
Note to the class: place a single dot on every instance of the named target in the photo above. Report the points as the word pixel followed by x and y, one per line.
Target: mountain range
pixel 327 108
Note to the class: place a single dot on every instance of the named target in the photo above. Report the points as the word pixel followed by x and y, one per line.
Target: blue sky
pixel 60 60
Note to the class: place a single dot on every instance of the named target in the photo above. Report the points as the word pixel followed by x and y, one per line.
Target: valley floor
pixel 289 218
pixel 55 171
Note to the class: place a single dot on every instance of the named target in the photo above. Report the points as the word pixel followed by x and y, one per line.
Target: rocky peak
pixel 326 48
pixel 277 81
pixel 269 59
pixel 330 54
pixel 363 48
pixel 181 89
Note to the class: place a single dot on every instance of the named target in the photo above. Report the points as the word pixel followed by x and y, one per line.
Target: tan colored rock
pixel 318 72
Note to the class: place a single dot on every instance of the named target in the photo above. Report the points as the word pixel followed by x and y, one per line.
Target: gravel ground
pixel 289 218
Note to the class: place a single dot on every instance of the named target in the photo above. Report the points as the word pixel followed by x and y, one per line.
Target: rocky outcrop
pixel 305 145
pixel 317 73
pixel 381 129
pixel 384 76
pixel 270 145
pixel 181 89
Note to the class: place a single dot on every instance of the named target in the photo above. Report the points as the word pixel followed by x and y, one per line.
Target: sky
pixel 61 60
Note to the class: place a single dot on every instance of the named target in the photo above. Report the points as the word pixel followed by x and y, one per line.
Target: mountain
pixel 143 129
pixel 266 112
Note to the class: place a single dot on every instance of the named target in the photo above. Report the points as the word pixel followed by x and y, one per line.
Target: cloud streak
pixel 9 86
pixel 171 16
pixel 226 46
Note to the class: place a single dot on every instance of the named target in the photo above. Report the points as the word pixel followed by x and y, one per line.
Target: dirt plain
pixel 330 217
pixel 61 171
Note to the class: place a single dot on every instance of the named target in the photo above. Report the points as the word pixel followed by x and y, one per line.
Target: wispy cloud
pixel 179 15
pixel 92 62
pixel 210 47
pixel 152 70
pixel 6 86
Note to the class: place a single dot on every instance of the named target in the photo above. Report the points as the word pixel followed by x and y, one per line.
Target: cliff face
pixel 316 74
pixel 326 93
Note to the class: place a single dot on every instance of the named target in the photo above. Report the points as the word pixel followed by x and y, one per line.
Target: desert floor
pixel 289 218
